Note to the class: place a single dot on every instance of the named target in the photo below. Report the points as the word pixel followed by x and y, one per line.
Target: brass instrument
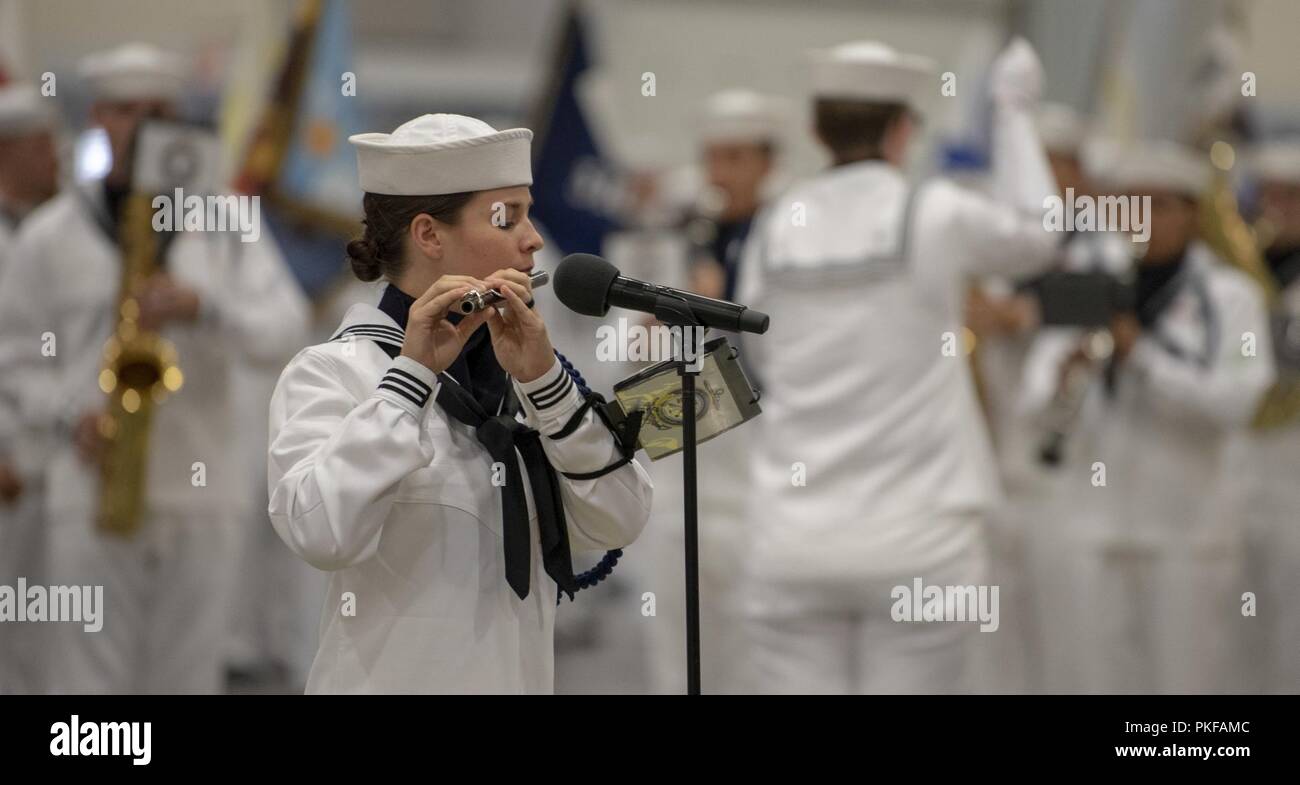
pixel 1224 230
pixel 139 371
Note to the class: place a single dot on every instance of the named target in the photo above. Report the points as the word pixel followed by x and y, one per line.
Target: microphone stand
pixel 676 312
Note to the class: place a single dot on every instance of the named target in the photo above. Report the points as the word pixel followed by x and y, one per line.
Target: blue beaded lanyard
pixel 607 562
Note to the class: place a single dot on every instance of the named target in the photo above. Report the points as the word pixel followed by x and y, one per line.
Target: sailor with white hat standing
pixel 28 177
pixel 28 163
pixel 740 139
pixel 1004 318
pixel 739 143
pixel 1034 647
pixel 214 297
pixel 872 468
pixel 444 466
pixel 1265 477
pixel 1158 549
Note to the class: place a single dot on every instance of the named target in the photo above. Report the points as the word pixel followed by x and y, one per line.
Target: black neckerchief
pixel 114 202
pixel 477 397
pixel 1155 289
pixel 476 368
pixel 1285 264
pixel 726 249
pixel 108 217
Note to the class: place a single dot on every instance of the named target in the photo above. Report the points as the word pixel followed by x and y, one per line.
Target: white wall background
pixel 490 56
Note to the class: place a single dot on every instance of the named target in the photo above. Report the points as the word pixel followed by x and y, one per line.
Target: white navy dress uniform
pixel 23 111
pixel 863 293
pixel 165 589
pixel 1040 504
pixel 1156 549
pixel 1264 466
pixel 1020 537
pixel 378 474
pixel 728 116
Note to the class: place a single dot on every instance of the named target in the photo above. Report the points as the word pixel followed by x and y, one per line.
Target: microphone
pixel 590 285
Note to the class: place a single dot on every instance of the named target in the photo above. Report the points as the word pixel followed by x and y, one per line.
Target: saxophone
pixel 1224 230
pixel 139 370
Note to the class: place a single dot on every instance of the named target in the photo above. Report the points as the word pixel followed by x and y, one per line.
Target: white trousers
pixel 1163 620
pixel 1274 568
pixel 722 482
pixel 24 646
pixel 1009 660
pixel 836 638
pixel 1269 497
pixel 166 605
pixel 276 604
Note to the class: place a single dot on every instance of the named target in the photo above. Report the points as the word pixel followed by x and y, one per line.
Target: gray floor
pixel 599 651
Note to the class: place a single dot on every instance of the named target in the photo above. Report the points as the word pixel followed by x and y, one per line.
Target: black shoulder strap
pixel 625 435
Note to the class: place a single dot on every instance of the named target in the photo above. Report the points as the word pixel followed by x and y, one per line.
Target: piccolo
pixel 477 301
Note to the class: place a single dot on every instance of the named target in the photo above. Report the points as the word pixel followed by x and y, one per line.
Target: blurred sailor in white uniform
pixel 1266 475
pixel 1156 549
pixel 872 466
pixel 28 177
pixel 740 139
pixel 165 587
pixel 1004 316
pixel 29 166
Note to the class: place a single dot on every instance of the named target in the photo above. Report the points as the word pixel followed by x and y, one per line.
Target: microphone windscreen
pixel 582 283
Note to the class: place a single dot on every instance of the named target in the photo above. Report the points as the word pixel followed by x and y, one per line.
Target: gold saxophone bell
pixel 139 371
pixel 1224 230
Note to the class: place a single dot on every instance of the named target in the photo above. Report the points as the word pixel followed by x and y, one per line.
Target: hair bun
pixel 365 263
